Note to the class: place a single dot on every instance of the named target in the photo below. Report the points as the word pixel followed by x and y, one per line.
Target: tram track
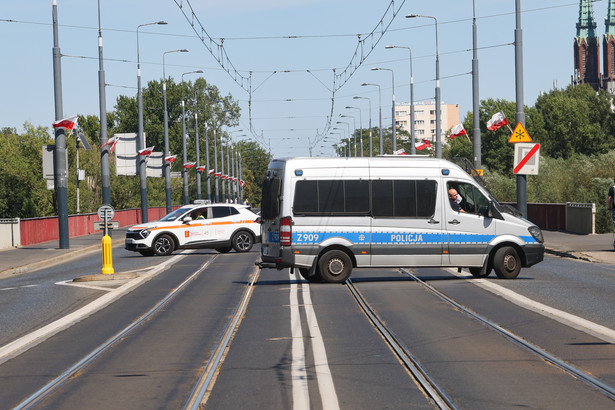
pixel 573 371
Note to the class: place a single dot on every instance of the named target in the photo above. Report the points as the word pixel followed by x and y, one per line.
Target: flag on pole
pixel 200 169
pixel 111 142
pixel 423 144
pixel 224 176
pixel 189 165
pixel 497 121
pixel 211 172
pixel 242 183
pixel 170 158
pixel 146 151
pixel 66 123
pixel 400 151
pixel 458 130
pixel 218 174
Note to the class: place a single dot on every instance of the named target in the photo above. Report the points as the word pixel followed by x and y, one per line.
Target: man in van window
pixel 455 199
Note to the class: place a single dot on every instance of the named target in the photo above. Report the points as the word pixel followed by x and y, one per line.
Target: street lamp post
pixel 412 146
pixel 347 140
pixel 349 134
pixel 185 154
pixel 104 154
pixel 379 120
pixel 475 99
pixel 166 164
pixel 360 128
pixel 354 128
pixel 370 124
pixel 438 115
pixel 393 127
pixel 140 135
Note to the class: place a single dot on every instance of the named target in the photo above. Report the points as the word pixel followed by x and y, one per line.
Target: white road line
pixel 19 287
pixel 321 365
pixel 576 322
pixel 83 285
pixel 301 397
pixel 32 339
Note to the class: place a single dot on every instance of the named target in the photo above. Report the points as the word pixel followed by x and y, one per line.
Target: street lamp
pixel 370 124
pixel 347 140
pixel 140 135
pixel 166 164
pixel 354 128
pixel 349 134
pixel 185 154
pixel 438 119
pixel 412 146
pixel 393 128
pixel 379 120
pixel 360 128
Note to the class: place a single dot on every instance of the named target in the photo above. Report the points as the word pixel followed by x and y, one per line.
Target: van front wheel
pixel 335 266
pixel 506 263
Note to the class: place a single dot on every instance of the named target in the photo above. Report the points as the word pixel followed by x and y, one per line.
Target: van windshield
pixel 270 201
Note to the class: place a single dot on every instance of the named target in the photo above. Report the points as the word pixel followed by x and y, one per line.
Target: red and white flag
pixel 224 176
pixel 218 174
pixel 66 123
pixel 242 183
pixel 189 165
pixel 497 121
pixel 458 130
pixel 111 142
pixel 211 172
pixel 146 151
pixel 400 151
pixel 200 169
pixel 170 158
pixel 422 145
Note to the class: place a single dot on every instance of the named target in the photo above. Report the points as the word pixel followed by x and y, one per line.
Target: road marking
pixel 19 287
pixel 16 347
pixel 576 322
pixel 301 397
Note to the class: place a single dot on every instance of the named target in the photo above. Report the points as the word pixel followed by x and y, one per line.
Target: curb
pixel 101 276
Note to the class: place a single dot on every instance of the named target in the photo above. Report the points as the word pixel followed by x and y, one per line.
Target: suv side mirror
pixel 187 219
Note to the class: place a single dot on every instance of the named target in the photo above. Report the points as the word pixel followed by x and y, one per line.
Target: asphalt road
pixel 310 345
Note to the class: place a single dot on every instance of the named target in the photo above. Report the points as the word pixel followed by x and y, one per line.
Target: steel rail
pixel 94 354
pixel 206 379
pixel 422 378
pixel 543 354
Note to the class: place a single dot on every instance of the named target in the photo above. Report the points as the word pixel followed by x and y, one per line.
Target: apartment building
pixel 425 119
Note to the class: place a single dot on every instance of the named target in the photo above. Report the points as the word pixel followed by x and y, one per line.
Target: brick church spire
pixel 587 48
pixel 608 47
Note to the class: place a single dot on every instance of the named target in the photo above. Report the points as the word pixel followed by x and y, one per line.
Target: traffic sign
pixel 527 158
pixel 520 134
pixel 106 212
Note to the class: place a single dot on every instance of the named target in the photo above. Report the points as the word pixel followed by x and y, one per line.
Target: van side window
pixel 403 198
pixel 331 197
pixel 472 200
pixel 270 199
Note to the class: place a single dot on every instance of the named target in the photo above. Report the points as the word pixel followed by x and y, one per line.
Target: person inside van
pixel 455 199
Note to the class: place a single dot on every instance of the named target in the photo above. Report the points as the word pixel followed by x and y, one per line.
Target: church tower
pixel 587 48
pixel 608 48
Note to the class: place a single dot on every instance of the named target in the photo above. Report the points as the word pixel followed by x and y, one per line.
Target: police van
pixel 326 216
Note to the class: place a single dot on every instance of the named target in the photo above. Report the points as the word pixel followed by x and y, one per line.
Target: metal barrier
pixel 580 218
pixel 9 233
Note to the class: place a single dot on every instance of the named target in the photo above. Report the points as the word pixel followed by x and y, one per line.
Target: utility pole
pixel 520 114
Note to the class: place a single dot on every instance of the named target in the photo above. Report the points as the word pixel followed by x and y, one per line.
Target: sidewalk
pixel 590 248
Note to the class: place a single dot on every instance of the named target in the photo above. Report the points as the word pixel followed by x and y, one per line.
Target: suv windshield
pixel 175 214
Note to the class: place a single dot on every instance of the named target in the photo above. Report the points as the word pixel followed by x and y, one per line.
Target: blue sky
pixel 292 78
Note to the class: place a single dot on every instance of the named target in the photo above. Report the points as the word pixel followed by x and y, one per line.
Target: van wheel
pixel 164 245
pixel 242 241
pixel 313 279
pixel 335 266
pixel 506 263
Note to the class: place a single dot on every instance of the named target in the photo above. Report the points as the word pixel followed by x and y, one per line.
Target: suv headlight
pixel 144 233
pixel 536 233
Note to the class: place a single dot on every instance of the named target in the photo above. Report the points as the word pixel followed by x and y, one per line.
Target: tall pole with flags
pixel 520 114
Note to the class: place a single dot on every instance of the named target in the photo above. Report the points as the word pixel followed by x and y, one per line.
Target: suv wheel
pixel 242 241
pixel 164 245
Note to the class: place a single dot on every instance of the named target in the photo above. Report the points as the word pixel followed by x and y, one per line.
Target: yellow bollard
pixel 107 259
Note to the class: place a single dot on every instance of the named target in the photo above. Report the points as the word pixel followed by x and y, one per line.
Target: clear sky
pixel 292 78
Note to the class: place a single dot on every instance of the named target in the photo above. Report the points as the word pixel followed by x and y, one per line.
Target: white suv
pixel 218 226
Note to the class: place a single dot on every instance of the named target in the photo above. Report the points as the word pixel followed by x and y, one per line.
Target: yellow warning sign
pixel 520 134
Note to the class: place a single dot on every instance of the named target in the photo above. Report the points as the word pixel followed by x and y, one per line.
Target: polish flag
pixel 497 121
pixel 66 123
pixel 189 165
pixel 211 172
pixel 218 174
pixel 170 158
pixel 242 183
pixel 224 176
pixel 200 169
pixel 111 142
pixel 146 151
pixel 458 130
pixel 423 144
pixel 400 151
